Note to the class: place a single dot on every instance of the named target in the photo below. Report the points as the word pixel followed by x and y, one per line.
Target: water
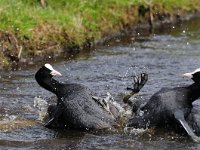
pixel 164 56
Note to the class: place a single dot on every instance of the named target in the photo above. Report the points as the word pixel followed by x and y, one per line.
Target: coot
pixel 169 106
pixel 77 106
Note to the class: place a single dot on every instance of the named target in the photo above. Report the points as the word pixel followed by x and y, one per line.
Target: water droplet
pixel 133 38
pixel 118 40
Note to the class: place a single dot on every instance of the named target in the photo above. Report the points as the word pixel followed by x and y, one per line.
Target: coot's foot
pixel 138 83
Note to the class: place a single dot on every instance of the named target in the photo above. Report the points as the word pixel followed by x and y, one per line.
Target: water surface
pixel 164 56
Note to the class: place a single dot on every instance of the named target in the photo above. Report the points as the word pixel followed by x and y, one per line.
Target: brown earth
pixel 15 51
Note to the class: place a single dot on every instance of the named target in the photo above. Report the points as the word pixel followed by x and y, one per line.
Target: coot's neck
pixel 51 85
pixel 195 91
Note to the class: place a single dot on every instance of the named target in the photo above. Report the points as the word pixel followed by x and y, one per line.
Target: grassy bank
pixel 29 30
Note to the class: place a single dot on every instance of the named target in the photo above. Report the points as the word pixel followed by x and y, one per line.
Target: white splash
pixel 131 130
pixel 41 106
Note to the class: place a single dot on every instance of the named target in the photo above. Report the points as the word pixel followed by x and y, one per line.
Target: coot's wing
pixel 93 109
pixel 55 113
pixel 83 111
pixel 179 115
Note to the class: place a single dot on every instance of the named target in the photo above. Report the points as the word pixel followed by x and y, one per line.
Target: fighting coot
pixel 77 106
pixel 169 106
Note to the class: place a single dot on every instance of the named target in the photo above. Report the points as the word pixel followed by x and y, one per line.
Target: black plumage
pixel 75 107
pixel 171 105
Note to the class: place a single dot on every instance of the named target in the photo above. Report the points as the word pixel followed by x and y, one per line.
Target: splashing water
pixel 42 107
pixel 104 70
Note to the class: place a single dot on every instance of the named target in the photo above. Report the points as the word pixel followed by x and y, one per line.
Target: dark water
pixel 164 56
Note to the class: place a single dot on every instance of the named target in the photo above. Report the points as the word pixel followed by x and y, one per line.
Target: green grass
pixel 67 21
pixel 76 17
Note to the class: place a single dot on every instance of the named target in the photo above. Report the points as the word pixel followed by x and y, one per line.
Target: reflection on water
pixel 163 56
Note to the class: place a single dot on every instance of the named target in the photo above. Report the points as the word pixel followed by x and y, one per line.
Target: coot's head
pixel 46 71
pixel 195 75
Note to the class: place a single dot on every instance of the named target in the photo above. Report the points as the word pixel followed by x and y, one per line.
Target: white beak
pixel 189 75
pixel 55 73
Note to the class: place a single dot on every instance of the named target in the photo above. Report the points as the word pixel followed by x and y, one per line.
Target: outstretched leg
pixel 179 115
pixel 138 83
pixel 110 105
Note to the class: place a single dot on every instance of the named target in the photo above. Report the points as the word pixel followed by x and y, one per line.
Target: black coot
pixel 75 107
pixel 171 105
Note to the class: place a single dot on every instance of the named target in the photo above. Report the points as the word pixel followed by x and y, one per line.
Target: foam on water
pixel 41 105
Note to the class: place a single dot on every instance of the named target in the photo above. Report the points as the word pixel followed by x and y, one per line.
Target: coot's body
pixel 80 110
pixel 169 106
pixel 75 107
pixel 160 108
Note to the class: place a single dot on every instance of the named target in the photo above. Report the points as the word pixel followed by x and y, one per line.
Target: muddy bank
pixel 145 27
pixel 18 51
